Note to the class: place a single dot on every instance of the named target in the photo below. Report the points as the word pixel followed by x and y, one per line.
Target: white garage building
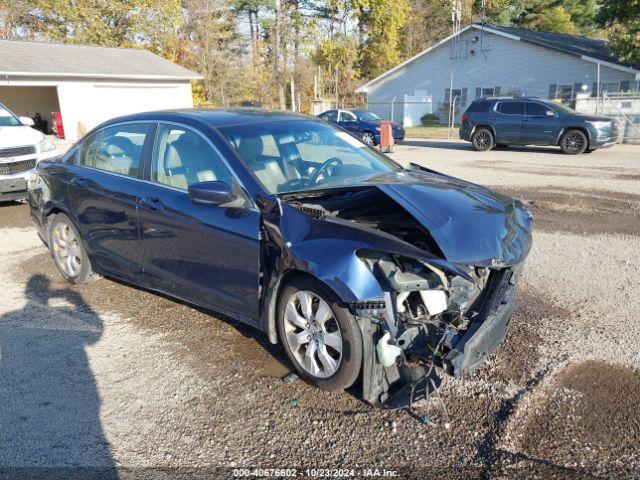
pixel 88 84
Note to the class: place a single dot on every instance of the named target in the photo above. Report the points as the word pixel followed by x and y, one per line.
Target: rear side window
pixel 347 117
pixel 511 108
pixel 478 106
pixel 534 108
pixel 182 157
pixel 330 116
pixel 116 149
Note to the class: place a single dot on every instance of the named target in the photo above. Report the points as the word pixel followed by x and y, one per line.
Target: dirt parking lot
pixel 105 375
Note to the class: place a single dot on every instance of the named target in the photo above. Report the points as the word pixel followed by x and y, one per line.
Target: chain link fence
pixel 624 107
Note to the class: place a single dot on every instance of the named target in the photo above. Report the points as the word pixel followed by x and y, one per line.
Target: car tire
pixel 326 350
pixel 68 251
pixel 482 140
pixel 574 142
pixel 368 138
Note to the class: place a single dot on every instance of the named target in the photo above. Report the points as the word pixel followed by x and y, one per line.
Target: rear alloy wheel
pixel 482 140
pixel 321 339
pixel 68 251
pixel 368 138
pixel 573 142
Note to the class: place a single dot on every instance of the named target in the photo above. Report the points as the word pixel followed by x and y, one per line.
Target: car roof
pixel 215 117
pixel 520 99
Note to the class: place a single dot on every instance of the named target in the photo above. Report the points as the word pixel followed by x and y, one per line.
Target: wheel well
pixel 368 131
pixel 582 129
pixel 50 213
pixel 272 311
pixel 488 127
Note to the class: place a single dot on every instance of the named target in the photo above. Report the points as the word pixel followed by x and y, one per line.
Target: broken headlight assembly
pixel 416 290
pixel 425 312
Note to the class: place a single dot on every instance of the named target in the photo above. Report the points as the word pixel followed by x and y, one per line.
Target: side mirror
pixel 28 121
pixel 549 113
pixel 211 193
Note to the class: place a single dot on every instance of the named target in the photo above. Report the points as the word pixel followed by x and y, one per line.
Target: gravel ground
pixel 110 377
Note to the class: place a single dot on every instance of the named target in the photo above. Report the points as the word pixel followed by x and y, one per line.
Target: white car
pixel 21 148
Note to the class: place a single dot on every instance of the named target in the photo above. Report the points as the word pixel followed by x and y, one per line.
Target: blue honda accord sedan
pixel 360 268
pixel 362 124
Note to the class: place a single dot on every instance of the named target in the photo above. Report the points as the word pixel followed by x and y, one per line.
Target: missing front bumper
pixel 396 386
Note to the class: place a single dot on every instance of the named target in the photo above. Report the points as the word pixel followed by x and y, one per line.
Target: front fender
pixel 326 249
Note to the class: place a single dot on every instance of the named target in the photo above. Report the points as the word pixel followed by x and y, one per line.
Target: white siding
pixel 86 103
pixel 502 62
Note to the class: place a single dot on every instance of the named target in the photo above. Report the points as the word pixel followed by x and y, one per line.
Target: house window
pixel 565 92
pixel 458 95
pixel 613 87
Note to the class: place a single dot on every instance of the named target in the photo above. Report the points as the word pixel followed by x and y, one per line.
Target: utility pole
pixel 276 55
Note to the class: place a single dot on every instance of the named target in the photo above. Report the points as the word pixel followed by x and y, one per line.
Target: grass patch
pixel 430 132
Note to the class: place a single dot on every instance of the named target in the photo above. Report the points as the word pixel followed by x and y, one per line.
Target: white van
pixel 21 148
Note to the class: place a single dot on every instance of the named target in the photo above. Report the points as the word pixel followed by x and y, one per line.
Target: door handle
pixel 80 182
pixel 152 203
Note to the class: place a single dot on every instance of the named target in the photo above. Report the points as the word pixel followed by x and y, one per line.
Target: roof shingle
pixel 574 44
pixel 40 58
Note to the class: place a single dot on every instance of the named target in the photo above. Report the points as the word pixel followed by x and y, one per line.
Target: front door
pixel 103 194
pixel 540 125
pixel 507 120
pixel 208 255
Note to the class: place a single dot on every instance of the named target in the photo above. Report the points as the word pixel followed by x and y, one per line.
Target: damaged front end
pixel 429 318
pixel 426 263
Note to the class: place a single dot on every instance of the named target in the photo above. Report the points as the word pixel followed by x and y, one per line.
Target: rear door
pixel 507 119
pixel 349 121
pixel 540 125
pixel 103 195
pixel 204 254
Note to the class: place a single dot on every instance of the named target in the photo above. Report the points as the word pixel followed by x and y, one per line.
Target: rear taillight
pixel 463 117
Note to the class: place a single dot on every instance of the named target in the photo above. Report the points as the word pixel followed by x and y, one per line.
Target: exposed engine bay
pixel 428 317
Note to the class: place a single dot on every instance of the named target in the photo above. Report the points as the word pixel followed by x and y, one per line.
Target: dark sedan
pixel 500 122
pixel 362 124
pixel 359 267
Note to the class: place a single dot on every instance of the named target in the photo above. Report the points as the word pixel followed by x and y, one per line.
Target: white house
pixel 487 60
pixel 88 84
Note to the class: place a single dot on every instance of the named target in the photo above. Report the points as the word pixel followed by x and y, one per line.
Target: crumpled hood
pixel 471 224
pixel 19 136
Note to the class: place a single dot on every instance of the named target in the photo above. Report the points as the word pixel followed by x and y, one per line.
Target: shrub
pixel 429 119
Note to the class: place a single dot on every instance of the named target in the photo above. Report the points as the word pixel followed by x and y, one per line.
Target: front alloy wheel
pixel 573 142
pixel 312 334
pixel 321 338
pixel 368 138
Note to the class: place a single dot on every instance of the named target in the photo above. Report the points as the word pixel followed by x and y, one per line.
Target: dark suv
pixel 491 122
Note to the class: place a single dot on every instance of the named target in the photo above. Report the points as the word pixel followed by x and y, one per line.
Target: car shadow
pixel 462 145
pixel 448 145
pixel 49 403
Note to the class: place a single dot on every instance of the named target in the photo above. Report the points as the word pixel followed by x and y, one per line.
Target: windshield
pixel 8 119
pixel 366 116
pixel 558 107
pixel 302 155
